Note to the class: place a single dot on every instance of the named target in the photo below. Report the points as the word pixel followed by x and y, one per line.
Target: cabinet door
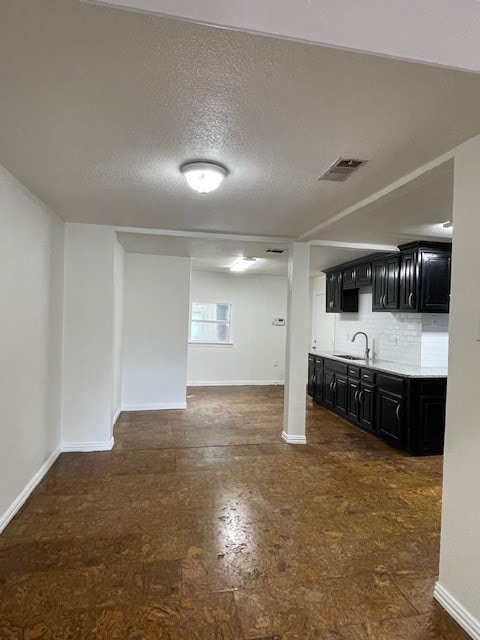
pixel 328 378
pixel 434 282
pixel 353 391
pixel 349 278
pixel 378 271
pixel 311 376
pixel 408 281
pixel 318 385
pixel 390 418
pixel 392 283
pixel 364 274
pixel 340 394
pixel 330 297
pixel 366 409
pixel 337 291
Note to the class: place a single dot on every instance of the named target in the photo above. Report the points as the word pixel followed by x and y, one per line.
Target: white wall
pixel 31 307
pixel 155 331
pixel 460 549
pixel 410 338
pixel 118 302
pixel 257 345
pixel 323 323
pixel 88 370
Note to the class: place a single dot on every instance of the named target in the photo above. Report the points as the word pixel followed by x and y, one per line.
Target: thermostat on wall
pixel 278 322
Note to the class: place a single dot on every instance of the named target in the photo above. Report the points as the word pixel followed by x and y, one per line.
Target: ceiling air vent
pixel 342 169
pixel 275 250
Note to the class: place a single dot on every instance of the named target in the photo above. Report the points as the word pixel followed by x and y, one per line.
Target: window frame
pixel 210 343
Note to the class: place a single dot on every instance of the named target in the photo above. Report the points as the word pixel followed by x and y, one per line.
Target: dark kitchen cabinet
pixel 311 375
pixel 386 284
pixel 353 391
pixel 328 379
pixel 318 380
pixel 364 274
pixel 434 285
pixel 338 299
pixel 408 281
pixel 391 417
pixel 334 292
pixel 340 394
pixel 425 278
pixel 407 413
pixel 366 407
pixel 349 277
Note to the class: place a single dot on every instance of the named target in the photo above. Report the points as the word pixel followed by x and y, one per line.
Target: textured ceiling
pixel 209 254
pixel 100 106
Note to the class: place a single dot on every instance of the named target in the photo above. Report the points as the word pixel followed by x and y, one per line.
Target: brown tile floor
pixel 202 524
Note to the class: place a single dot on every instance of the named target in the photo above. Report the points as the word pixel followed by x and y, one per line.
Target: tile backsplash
pixel 410 338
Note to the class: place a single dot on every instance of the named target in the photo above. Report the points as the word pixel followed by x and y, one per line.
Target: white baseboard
pixel 294 439
pixel 68 447
pixel 115 415
pixel 154 407
pixel 234 383
pixel 458 612
pixel 22 498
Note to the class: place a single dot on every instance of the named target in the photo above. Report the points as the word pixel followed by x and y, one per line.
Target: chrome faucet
pixel 367 350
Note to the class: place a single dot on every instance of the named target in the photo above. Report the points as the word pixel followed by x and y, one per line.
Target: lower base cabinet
pixel 407 413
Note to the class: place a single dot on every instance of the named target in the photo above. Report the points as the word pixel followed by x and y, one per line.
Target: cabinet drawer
pixel 354 372
pixel 333 365
pixel 311 357
pixel 391 383
pixel 368 375
pixel 318 361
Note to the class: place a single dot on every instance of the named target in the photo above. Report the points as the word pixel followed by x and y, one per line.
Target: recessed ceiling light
pixel 242 263
pixel 203 176
pixel 448 224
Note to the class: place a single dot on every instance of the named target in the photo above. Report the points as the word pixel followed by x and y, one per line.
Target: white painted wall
pixel 323 323
pixel 31 308
pixel 88 370
pixel 155 331
pixel 459 578
pixel 118 302
pixel 257 345
pixel 409 338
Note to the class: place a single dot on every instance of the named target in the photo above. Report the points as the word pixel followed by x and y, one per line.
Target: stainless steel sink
pixel 346 357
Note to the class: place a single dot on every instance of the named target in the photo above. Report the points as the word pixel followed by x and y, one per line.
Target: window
pixel 211 322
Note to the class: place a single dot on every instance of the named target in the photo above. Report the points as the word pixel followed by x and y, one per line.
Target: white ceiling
pixel 416 211
pixel 100 106
pixel 210 254
pixel 444 32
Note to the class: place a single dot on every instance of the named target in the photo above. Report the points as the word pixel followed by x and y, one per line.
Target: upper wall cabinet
pixel 425 278
pixel 386 284
pixel 415 279
pixel 340 299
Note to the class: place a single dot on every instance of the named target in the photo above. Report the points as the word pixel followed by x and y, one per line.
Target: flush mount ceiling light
pixel 242 263
pixel 203 176
pixel 448 225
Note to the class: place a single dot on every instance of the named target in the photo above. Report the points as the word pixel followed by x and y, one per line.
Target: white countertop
pixel 401 369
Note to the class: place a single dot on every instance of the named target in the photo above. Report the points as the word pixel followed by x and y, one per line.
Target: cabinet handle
pixel 360 397
pixel 410 300
pixel 397 412
pixel 335 387
pixel 331 386
pixel 356 396
pixel 383 301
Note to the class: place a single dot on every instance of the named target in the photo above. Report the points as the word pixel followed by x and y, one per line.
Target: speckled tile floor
pixel 202 525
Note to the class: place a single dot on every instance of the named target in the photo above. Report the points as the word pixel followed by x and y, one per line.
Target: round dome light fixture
pixel 203 176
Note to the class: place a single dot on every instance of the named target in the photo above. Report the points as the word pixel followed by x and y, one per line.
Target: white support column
pixel 298 334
